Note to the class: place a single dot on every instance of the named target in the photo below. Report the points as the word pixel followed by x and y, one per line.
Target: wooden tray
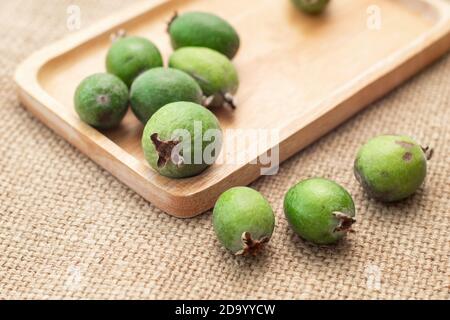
pixel 300 75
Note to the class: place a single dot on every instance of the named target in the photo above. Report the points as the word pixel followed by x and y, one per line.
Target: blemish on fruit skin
pixel 405 144
pixel 128 59
pixel 402 160
pixel 407 156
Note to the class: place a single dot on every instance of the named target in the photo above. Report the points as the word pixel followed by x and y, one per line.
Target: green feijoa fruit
pixel 101 100
pixel 319 210
pixel 199 29
pixel 128 57
pixel 391 167
pixel 311 6
pixel 243 220
pixel 213 71
pixel 182 139
pixel 160 86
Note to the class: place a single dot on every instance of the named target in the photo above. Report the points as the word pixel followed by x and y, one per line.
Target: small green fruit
pixel 311 6
pixel 199 29
pixel 101 100
pixel 319 210
pixel 391 168
pixel 213 71
pixel 160 86
pixel 182 139
pixel 243 220
pixel 128 57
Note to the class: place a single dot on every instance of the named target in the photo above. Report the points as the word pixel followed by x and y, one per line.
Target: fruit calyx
pixel 345 222
pixel 225 98
pixel 174 17
pixel 119 34
pixel 165 151
pixel 428 152
pixel 251 247
pixel 103 99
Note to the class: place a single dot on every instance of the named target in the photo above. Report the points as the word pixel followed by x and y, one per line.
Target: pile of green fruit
pixel 200 75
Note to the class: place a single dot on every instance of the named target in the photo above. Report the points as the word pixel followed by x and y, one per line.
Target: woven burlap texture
pixel 68 229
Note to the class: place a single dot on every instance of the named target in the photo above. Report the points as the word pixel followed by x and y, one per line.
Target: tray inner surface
pixel 288 62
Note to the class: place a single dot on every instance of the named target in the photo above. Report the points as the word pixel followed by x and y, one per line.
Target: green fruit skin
pixel 240 210
pixel 390 168
pixel 199 29
pixel 130 56
pixel 101 100
pixel 311 6
pixel 160 86
pixel 179 115
pixel 213 71
pixel 309 208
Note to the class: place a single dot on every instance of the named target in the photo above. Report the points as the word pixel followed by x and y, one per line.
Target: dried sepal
pixel 119 34
pixel 251 246
pixel 345 222
pixel 428 152
pixel 165 151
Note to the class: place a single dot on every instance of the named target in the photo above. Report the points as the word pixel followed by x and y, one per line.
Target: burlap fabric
pixel 68 229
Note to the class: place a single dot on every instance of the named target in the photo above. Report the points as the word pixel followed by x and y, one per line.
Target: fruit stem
pixel 345 222
pixel 250 246
pixel 165 151
pixel 207 101
pixel 121 33
pixel 428 152
pixel 174 17
pixel 227 98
